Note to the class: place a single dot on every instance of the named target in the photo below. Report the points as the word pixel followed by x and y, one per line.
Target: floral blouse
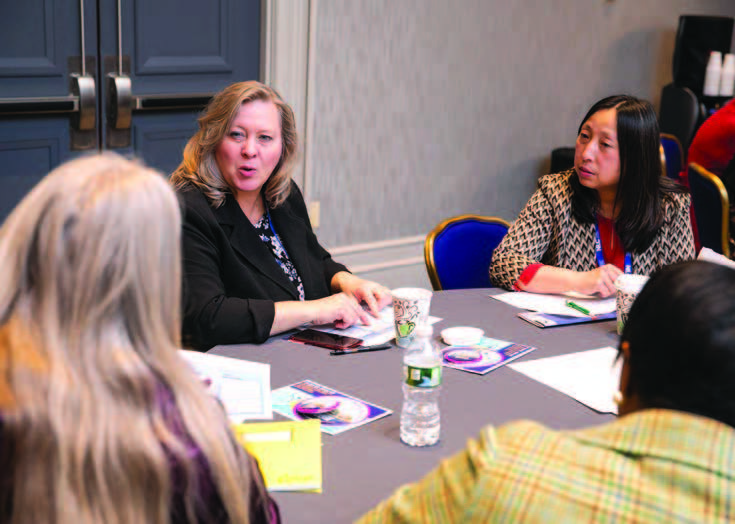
pixel 270 239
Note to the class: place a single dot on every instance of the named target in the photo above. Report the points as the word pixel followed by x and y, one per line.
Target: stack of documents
pixel 558 304
pixel 559 310
pixel 708 255
pixel 243 387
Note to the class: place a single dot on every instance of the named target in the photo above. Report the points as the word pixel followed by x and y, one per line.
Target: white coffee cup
pixel 410 309
pixel 627 288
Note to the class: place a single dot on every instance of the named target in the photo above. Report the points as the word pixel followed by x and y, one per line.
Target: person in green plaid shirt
pixel 670 457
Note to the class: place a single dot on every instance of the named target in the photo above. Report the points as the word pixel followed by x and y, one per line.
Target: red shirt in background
pixel 714 144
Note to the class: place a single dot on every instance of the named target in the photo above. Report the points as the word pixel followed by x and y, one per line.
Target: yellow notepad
pixel 289 453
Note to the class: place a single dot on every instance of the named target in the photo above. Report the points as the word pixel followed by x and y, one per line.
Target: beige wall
pixel 423 109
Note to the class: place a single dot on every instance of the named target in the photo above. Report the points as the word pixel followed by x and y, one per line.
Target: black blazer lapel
pixel 245 240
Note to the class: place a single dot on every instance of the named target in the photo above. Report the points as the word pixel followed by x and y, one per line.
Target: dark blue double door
pixel 149 67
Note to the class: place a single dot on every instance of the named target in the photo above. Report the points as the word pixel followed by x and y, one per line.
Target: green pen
pixel 579 308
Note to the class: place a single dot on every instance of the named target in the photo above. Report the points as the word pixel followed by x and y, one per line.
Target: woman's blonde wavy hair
pixel 89 308
pixel 199 167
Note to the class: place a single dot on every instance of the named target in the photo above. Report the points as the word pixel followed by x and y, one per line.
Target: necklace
pixel 256 211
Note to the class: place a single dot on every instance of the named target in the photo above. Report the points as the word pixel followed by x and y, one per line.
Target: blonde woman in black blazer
pixel 252 264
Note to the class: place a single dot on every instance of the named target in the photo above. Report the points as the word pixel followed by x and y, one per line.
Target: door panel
pixel 175 54
pixel 169 57
pixel 29 148
pixel 160 139
pixel 36 39
pixel 197 43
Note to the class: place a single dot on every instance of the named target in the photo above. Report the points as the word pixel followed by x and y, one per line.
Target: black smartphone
pixel 325 340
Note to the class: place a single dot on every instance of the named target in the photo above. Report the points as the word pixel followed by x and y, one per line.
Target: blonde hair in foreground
pixel 89 302
pixel 199 167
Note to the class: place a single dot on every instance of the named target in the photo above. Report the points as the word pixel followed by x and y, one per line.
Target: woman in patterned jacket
pixel 613 212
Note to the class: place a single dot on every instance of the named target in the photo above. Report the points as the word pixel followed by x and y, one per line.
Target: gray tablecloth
pixel 364 465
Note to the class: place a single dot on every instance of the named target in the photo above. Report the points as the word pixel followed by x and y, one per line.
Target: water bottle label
pixel 423 377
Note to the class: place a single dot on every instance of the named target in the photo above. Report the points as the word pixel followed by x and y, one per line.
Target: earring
pixel 618 398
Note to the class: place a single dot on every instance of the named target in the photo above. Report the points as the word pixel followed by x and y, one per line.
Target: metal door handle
pixel 38 105
pixel 122 102
pixel 119 101
pixel 81 103
pixel 83 89
pixel 174 101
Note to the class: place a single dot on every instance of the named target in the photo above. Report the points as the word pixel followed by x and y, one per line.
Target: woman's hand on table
pixel 372 294
pixel 599 281
pixel 341 308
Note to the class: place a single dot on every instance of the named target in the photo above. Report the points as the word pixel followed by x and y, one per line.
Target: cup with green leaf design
pixel 410 308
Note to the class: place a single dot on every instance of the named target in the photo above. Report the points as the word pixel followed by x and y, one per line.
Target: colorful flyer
pixel 482 358
pixel 337 411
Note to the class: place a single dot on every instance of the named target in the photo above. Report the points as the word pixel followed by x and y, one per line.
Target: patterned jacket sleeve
pixel 528 238
pixel 678 240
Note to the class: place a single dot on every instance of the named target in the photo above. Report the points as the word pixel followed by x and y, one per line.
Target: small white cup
pixel 462 336
pixel 627 288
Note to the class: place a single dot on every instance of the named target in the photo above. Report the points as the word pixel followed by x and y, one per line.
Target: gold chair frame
pixel 429 242
pixel 662 152
pixel 724 203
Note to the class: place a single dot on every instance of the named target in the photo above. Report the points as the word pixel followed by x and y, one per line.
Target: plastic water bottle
pixel 422 377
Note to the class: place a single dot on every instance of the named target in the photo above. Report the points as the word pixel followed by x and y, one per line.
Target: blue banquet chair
pixel 458 251
pixel 711 209
pixel 672 156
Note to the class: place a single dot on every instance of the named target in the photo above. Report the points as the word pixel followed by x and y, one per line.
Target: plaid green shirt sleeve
pixel 649 467
pixel 444 494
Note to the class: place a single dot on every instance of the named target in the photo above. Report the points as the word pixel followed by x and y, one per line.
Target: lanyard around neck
pixel 278 239
pixel 627 265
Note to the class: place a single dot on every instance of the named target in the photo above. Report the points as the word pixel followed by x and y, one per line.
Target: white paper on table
pixel 244 388
pixel 379 331
pixel 556 304
pixel 590 377
pixel 711 256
